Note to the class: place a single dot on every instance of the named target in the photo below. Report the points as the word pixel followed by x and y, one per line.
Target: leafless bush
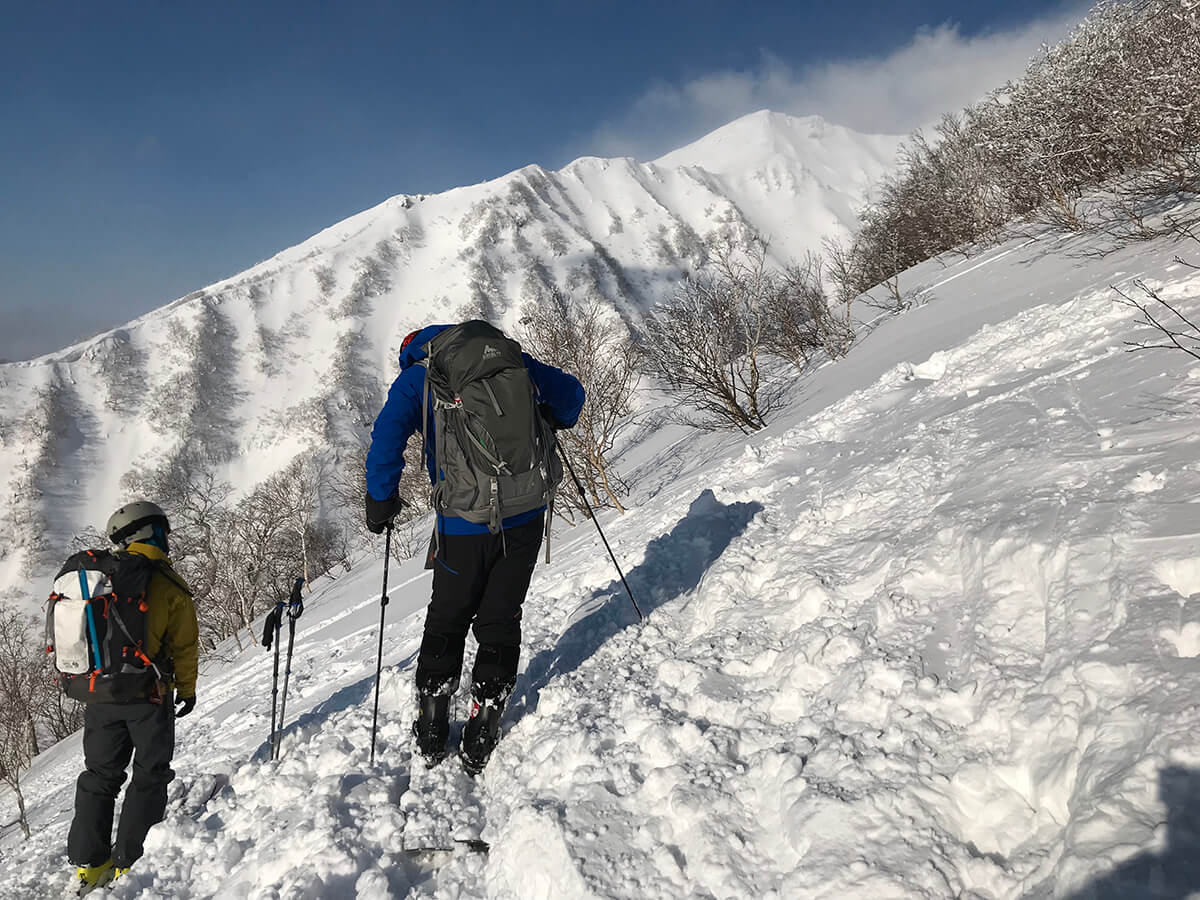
pixel 410 538
pixel 50 429
pixel 707 341
pixel 22 689
pixel 1120 95
pixel 345 492
pixel 589 341
pixel 293 496
pixel 801 324
pixel 1176 331
pixel 198 503
pixel 238 556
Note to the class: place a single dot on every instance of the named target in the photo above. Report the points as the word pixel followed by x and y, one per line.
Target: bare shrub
pixel 293 496
pixel 353 383
pixel 591 342
pixel 122 367
pixel 22 688
pixel 707 341
pixel 1176 331
pixel 373 277
pixel 326 280
pixel 1120 96
pixel 801 324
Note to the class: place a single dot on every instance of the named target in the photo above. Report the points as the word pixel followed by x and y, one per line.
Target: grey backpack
pixel 494 453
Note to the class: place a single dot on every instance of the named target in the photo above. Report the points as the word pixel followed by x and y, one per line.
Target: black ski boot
pixel 432 727
pixel 482 733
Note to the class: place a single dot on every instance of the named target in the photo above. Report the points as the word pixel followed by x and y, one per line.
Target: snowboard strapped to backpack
pixel 494 453
pixel 96 627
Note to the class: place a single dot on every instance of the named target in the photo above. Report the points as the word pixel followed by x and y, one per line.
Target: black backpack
pixel 493 450
pixel 96 627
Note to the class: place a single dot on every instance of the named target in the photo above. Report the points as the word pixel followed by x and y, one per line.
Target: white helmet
pixel 136 521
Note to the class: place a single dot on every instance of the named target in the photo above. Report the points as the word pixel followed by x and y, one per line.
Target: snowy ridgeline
pixel 296 353
pixel 933 633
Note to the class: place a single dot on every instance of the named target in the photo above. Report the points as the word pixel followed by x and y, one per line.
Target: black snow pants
pixel 479 580
pixel 112 733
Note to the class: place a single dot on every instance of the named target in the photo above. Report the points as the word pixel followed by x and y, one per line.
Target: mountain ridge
pixel 297 350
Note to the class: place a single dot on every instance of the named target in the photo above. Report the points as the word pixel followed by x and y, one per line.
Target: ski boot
pixel 432 727
pixel 88 878
pixel 481 733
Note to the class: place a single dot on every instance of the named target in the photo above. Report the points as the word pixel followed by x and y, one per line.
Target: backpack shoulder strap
pixel 135 572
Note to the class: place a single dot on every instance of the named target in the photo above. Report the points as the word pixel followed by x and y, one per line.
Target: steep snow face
pixel 933 633
pixel 297 351
pixel 831 167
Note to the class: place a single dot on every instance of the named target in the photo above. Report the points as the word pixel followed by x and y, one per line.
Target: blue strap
pixel 91 618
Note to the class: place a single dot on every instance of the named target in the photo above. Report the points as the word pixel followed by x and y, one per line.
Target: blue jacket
pixel 400 419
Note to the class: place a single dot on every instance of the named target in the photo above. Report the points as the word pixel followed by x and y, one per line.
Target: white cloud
pixel 939 70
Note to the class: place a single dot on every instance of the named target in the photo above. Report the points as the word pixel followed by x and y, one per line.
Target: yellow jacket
pixel 171 620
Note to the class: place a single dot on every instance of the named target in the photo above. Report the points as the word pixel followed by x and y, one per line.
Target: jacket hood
pixel 415 351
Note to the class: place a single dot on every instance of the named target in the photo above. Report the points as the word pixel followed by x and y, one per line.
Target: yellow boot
pixel 88 878
pixel 119 871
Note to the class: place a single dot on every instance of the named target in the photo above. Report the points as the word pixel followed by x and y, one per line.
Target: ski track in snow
pixel 935 633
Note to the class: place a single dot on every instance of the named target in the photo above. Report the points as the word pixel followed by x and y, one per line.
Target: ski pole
pixel 295 608
pixel 277 622
pixel 383 602
pixel 595 521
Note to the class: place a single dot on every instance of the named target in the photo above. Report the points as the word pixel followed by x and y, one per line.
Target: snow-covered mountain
pixel 933 633
pixel 297 350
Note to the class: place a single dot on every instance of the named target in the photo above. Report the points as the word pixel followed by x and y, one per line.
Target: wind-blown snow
pixel 933 633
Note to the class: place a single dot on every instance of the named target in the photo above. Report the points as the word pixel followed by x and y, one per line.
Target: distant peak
pixel 758 137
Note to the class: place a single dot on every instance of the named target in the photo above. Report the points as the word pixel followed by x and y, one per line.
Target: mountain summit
pixel 764 138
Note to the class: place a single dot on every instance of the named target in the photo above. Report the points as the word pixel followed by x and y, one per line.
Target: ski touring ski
pixel 443 806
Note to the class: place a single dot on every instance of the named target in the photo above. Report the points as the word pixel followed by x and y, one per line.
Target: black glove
pixel 381 512
pixel 296 603
pixel 183 706
pixel 551 419
pixel 271 625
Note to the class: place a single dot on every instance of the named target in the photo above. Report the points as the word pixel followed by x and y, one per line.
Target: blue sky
pixel 148 149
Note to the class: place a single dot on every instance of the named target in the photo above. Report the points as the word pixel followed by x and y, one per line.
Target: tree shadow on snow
pixel 674 565
pixel 1173 873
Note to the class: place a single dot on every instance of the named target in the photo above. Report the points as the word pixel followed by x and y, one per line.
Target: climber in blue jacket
pixel 480 574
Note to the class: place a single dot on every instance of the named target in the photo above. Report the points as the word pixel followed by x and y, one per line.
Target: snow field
pixel 933 633
pixel 929 666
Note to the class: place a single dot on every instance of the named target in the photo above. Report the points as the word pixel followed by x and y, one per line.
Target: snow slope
pixel 296 352
pixel 933 633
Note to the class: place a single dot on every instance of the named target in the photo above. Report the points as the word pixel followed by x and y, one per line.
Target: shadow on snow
pixel 674 565
pixel 1173 872
pixel 347 697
